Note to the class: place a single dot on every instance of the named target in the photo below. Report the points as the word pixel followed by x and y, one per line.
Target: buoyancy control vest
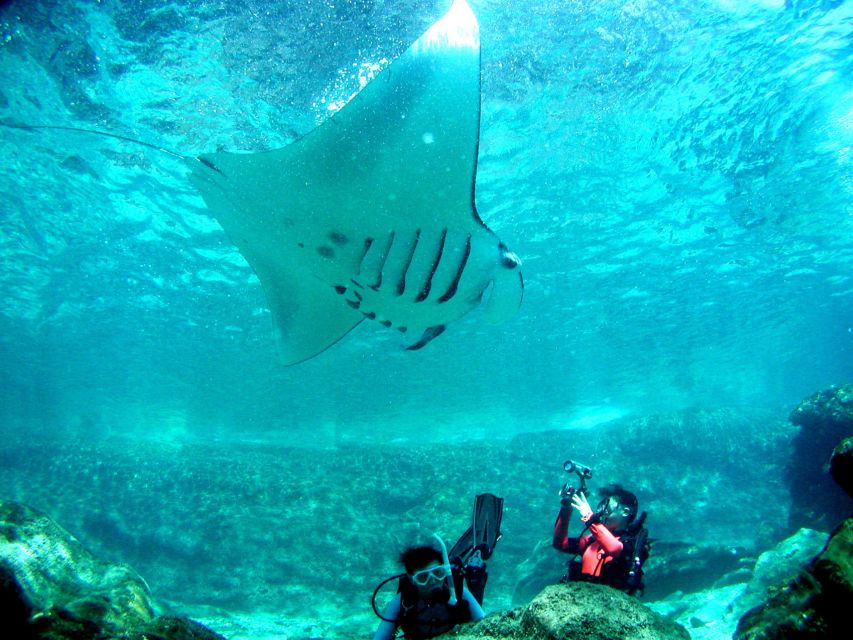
pixel 420 619
pixel 624 572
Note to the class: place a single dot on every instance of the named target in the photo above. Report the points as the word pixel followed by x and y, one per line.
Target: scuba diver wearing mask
pixel 425 606
pixel 614 543
pixel 441 589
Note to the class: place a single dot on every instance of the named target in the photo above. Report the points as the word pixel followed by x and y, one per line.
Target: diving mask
pixel 438 573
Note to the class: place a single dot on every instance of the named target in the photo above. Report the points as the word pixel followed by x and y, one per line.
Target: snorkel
pixel 446 561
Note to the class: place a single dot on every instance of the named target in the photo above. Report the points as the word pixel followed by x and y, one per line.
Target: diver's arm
pixel 561 539
pixel 610 543
pixel 386 630
pixel 474 607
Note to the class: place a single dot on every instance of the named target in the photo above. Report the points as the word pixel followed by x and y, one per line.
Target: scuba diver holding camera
pixel 614 542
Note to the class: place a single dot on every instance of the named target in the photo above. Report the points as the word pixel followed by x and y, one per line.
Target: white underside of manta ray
pixel 372 214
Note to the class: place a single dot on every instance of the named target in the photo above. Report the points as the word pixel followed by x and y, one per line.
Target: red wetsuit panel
pixel 598 547
pixel 561 532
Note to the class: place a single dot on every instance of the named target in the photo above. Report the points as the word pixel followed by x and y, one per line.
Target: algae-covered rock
pixel 53 588
pixel 577 610
pixel 815 604
pixel 825 418
pixel 54 572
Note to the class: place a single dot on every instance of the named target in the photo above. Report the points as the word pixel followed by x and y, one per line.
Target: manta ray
pixel 371 216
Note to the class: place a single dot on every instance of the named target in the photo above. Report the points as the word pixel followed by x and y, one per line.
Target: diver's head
pixel 618 508
pixel 426 570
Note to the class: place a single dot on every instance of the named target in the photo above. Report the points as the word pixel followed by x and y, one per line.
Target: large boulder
pixel 576 610
pixel 825 418
pixel 814 604
pixel 53 588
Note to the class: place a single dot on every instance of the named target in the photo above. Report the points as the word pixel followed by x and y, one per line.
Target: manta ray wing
pixel 372 214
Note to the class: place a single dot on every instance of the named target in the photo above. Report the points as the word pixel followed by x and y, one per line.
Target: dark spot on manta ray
pixel 300 245
pixel 338 238
pixel 340 289
pixel 369 315
pixel 326 252
pixel 368 242
pixel 385 323
pixel 355 304
pixel 402 329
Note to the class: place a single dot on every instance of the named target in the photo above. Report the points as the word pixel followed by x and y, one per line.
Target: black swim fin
pixel 484 532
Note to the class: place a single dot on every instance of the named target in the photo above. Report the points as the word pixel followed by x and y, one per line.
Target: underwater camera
pixel 583 472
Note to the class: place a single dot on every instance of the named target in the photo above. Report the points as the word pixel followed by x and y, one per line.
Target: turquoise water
pixel 675 176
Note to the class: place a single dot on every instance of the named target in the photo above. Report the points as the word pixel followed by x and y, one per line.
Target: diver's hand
pixel 566 494
pixel 579 502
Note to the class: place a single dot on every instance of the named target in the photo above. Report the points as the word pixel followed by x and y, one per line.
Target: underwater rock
pixel 841 465
pixel 824 419
pixel 781 564
pixel 815 603
pixel 53 588
pixel 826 410
pixel 576 610
pixel 714 612
pixel 685 566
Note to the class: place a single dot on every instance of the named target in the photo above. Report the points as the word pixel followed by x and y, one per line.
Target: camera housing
pixel 583 472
